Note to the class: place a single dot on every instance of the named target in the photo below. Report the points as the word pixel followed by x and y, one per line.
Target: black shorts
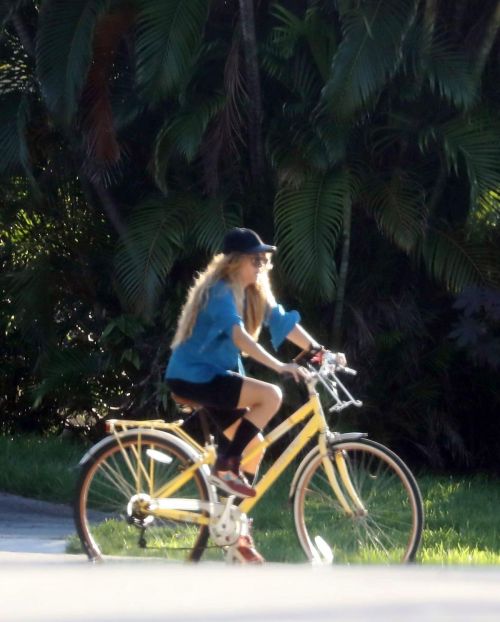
pixel 220 396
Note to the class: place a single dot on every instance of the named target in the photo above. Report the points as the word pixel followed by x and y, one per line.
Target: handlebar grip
pixel 347 370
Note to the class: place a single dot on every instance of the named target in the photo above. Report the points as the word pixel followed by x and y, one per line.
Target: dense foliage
pixel 362 136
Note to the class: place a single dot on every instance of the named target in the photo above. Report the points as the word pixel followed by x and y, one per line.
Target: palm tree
pixel 127 130
pixel 370 120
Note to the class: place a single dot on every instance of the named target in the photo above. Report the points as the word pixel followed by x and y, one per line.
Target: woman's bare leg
pixel 262 398
pixel 263 401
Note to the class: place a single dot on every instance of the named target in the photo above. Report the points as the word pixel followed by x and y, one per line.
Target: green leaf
pixel 398 206
pixel 11 140
pixel 211 221
pixel 168 39
pixel 474 142
pixel 183 135
pixel 65 368
pixel 487 214
pixel 457 261
pixel 441 64
pixel 64 51
pixel 450 73
pixel 154 236
pixel 368 55
pixel 322 40
pixel 308 222
pixel 288 33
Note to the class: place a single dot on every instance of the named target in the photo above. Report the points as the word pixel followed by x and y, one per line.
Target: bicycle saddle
pixel 186 402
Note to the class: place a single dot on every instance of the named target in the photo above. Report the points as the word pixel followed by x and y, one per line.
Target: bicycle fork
pixel 354 506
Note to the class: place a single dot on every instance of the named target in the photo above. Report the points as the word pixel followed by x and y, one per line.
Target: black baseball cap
pixel 240 240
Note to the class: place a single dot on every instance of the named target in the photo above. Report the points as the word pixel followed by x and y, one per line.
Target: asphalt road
pixel 31 526
pixel 38 582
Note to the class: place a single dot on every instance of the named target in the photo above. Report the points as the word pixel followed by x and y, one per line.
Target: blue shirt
pixel 210 349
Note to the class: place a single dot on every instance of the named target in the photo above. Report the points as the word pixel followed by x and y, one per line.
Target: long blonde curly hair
pixel 251 302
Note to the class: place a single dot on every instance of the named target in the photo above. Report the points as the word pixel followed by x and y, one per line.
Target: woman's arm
pixel 244 342
pixel 301 338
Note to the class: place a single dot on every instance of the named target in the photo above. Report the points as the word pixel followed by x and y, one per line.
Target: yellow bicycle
pixel 145 490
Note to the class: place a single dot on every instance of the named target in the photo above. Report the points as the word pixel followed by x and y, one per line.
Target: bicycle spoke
pixel 113 514
pixel 381 529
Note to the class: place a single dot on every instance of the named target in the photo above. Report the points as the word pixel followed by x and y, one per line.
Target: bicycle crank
pixel 228 523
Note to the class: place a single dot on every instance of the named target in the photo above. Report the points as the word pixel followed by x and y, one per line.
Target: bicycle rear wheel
pixel 385 523
pixel 114 485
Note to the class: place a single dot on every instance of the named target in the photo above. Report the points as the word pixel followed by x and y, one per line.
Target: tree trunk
pixel 255 145
pixel 488 40
pixel 344 265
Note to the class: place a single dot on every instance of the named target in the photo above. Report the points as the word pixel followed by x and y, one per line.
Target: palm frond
pixel 440 63
pixel 31 294
pixel 457 261
pixel 168 39
pixel 211 221
pixel 487 214
pixel 14 153
pixel 308 222
pixel 64 51
pixel 289 31
pixel 312 29
pixel 322 40
pixel 398 206
pixel 450 73
pixel 146 254
pixel 10 137
pixel 183 135
pixel 288 157
pixel 66 369
pixel 368 55
pixel 475 143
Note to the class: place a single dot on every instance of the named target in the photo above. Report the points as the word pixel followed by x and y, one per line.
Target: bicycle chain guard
pixel 229 523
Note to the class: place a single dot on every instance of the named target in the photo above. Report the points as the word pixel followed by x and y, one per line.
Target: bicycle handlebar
pixel 347 370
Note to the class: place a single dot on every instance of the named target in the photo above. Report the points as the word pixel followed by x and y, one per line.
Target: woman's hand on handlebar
pixel 340 359
pixel 299 373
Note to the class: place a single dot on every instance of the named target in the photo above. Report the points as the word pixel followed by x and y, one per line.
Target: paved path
pixel 38 583
pixel 27 525
pixel 56 591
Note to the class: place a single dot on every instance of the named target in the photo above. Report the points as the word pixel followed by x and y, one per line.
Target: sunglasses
pixel 260 261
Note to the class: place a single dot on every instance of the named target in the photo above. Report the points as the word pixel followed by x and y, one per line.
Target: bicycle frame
pixel 170 508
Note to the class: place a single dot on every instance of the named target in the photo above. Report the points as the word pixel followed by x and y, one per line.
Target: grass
pixel 38 467
pixel 461 511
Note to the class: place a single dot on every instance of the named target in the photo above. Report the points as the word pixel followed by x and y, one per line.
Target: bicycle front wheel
pixel 115 486
pixel 362 506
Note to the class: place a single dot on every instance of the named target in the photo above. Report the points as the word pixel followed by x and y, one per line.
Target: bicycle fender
pixel 193 454
pixel 334 440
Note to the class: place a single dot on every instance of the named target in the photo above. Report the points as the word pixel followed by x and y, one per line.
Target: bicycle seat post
pixel 208 439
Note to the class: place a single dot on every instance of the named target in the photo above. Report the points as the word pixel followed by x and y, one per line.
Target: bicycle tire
pixel 389 530
pixel 106 486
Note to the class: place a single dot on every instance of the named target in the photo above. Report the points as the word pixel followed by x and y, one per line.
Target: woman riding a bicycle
pixel 225 310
